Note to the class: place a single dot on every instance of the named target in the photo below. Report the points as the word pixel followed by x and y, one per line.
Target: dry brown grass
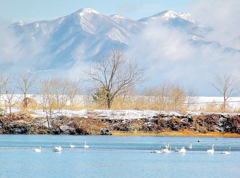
pixel 126 102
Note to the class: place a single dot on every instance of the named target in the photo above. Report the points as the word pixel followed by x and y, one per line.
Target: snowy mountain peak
pixel 172 14
pixel 168 15
pixel 186 16
pixel 86 11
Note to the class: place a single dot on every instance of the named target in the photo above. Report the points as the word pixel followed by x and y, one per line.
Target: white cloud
pixel 17 55
pixel 171 56
pixel 8 43
pixel 223 17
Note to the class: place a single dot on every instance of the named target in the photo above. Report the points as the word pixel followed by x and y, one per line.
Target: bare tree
pixel 24 84
pixel 8 98
pixel 114 74
pixel 3 82
pixel 177 97
pixel 158 97
pixel 166 97
pixel 1 88
pixel 225 86
pixel 56 94
pixel 72 91
pixel 191 98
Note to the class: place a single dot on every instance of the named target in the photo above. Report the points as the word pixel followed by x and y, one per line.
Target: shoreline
pixel 176 134
pixel 153 134
pixel 154 124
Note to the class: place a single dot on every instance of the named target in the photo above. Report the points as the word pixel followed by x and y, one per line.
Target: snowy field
pixel 195 103
pixel 119 114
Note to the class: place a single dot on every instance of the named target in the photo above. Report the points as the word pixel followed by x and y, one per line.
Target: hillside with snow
pixel 87 34
pixel 168 43
pixel 82 35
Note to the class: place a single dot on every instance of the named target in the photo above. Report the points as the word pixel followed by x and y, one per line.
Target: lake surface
pixel 117 157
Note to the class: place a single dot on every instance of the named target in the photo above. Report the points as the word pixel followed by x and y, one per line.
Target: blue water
pixel 117 157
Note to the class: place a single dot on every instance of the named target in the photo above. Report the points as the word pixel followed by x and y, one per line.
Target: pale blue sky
pixel 30 10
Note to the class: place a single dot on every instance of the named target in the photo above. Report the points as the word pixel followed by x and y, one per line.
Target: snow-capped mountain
pixel 86 35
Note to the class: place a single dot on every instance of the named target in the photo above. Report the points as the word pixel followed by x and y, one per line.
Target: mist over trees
pixel 114 78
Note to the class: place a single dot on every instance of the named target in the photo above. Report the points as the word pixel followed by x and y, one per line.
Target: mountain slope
pixel 83 33
pixel 86 35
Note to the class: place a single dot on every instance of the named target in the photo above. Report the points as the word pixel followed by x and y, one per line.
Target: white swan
pixel 166 149
pixel 226 152
pixel 72 146
pixel 182 150
pixel 85 145
pixel 211 151
pixel 38 150
pixel 57 149
pixel 156 151
pixel 190 146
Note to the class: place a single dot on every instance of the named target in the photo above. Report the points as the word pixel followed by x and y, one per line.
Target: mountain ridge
pixel 73 30
pixel 99 30
pixel 163 42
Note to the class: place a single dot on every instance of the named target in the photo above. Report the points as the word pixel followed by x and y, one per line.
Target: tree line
pixel 114 78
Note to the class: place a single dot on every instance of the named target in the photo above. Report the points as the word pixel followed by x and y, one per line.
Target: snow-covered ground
pixel 118 114
pixel 202 101
pixel 196 103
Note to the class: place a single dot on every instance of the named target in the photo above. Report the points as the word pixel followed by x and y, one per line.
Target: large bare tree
pixel 114 75
pixel 224 84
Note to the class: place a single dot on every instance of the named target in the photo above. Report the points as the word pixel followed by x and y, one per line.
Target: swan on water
pixel 85 145
pixel 211 151
pixel 57 149
pixel 166 149
pixel 156 151
pixel 226 152
pixel 190 146
pixel 182 150
pixel 72 146
pixel 38 150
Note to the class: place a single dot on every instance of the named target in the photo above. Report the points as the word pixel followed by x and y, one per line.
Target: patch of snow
pixel 187 16
pixel 117 16
pixel 117 35
pixel 168 15
pixel 85 11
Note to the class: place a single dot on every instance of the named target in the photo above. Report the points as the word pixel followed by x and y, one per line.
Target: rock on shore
pixel 97 124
